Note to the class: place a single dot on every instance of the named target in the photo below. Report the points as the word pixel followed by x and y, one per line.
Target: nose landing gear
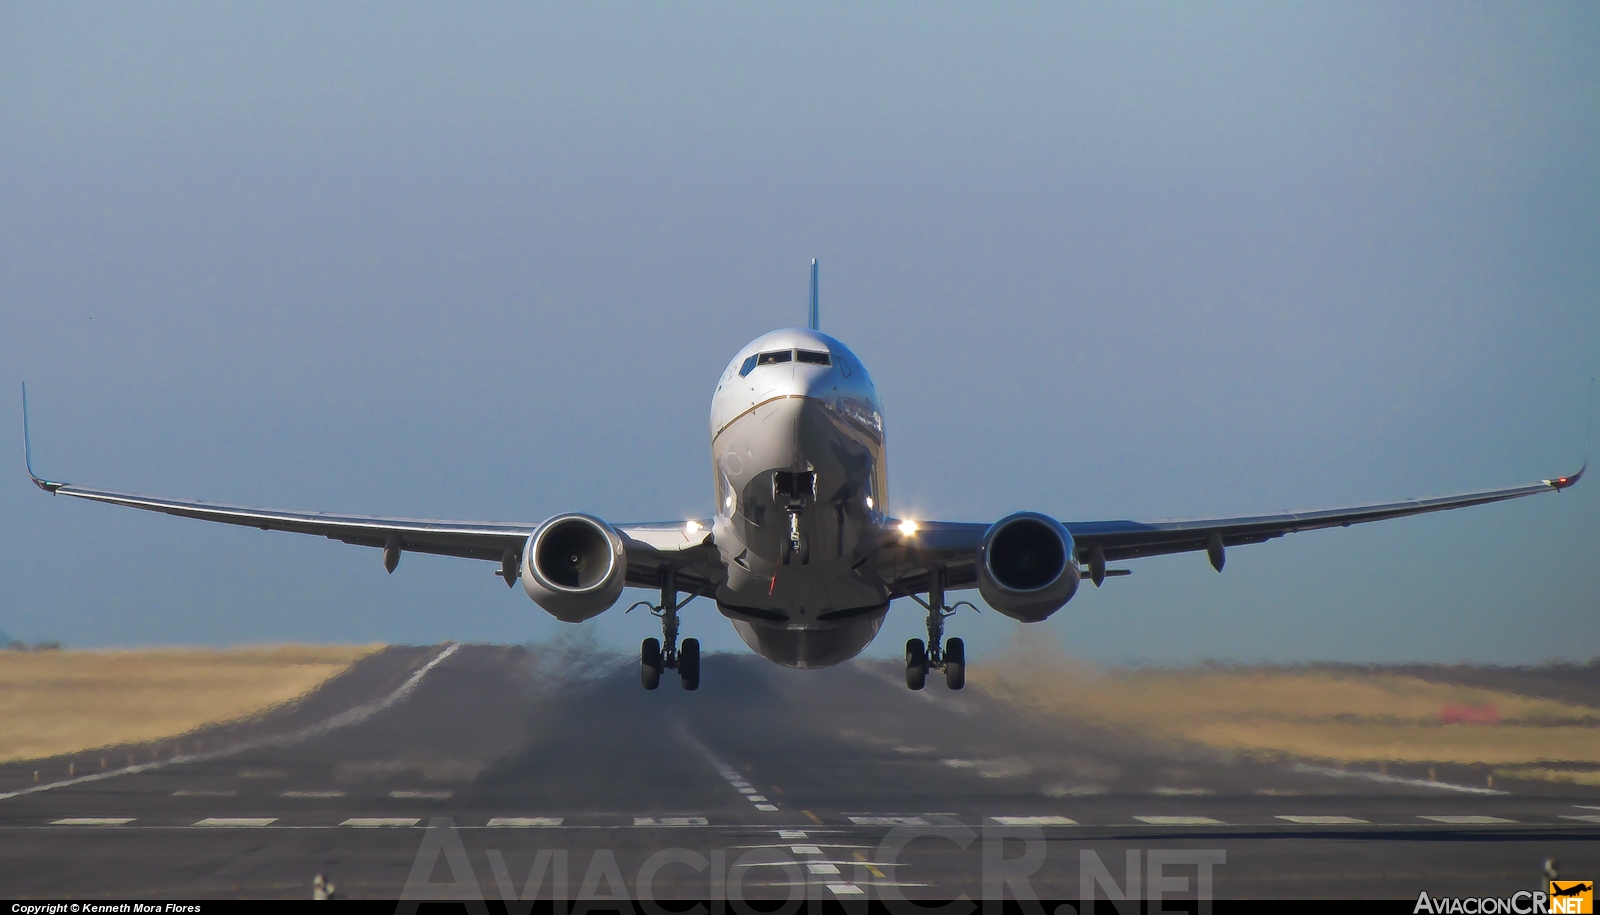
pixel 948 655
pixel 656 655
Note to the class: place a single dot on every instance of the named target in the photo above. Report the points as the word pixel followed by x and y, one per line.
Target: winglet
pixel 815 323
pixel 1560 483
pixel 27 449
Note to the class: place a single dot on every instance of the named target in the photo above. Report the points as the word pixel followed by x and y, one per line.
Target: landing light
pixel 690 527
pixel 869 501
pixel 908 527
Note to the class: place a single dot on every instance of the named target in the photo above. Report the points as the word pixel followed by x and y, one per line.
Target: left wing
pixel 953 545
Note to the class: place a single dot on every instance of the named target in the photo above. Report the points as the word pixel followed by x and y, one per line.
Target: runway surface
pixel 766 782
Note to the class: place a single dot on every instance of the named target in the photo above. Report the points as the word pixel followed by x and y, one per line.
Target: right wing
pixel 653 548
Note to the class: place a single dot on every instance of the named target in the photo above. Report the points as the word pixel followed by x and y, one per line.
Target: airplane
pixel 802 554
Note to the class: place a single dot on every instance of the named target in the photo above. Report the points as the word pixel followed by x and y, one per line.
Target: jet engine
pixel 1026 568
pixel 574 566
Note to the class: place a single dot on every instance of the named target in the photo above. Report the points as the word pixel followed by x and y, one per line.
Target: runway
pixel 766 782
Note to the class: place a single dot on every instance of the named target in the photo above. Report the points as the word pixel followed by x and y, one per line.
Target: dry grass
pixel 59 702
pixel 1302 713
pixel 1569 776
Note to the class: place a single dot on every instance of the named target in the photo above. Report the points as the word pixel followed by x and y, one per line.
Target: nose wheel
pixel 939 653
pixel 656 655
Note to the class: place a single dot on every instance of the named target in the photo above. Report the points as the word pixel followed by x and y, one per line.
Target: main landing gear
pixel 948 655
pixel 654 654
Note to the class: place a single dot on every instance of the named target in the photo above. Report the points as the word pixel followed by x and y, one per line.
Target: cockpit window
pixel 785 355
pixel 814 358
pixel 748 367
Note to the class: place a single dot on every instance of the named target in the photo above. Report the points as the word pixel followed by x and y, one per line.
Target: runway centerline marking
pixel 344 719
pixel 804 850
pixel 845 889
pixel 201 792
pixel 1582 817
pixel 412 794
pixel 823 868
pixel 732 777
pixel 332 793
pixel 1467 820
pixel 1179 821
pixel 237 821
pixel 92 821
pixel 791 834
pixel 1034 821
pixel 1323 820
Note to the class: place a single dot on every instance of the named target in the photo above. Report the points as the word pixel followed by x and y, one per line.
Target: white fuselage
pixel 798 464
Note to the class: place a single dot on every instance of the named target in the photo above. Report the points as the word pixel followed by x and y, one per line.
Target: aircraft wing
pixel 954 544
pixel 651 547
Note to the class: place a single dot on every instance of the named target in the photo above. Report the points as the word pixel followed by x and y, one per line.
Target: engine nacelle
pixel 1026 566
pixel 574 566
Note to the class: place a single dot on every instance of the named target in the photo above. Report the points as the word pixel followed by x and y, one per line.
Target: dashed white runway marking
pixel 1182 792
pixel 1323 821
pixel 411 795
pixel 1180 821
pixel 732 777
pixel 92 821
pixel 823 869
pixel 845 889
pixel 1467 820
pixel 1034 821
pixel 381 821
pixel 237 821
pixel 804 850
pixel 197 792
pixel 334 793
pixel 1582 817
pixel 670 821
pixel 525 821
pixel 888 821
pixel 792 834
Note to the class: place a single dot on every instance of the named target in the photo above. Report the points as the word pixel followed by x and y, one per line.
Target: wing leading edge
pixel 652 547
pixel 953 545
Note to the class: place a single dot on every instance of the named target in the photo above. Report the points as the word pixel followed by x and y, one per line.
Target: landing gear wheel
pixel 916 664
pixel 955 663
pixel 650 663
pixel 689 663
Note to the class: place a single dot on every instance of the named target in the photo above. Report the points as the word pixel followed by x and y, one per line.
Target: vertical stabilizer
pixel 815 323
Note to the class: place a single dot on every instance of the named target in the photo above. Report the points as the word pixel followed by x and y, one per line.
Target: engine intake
pixel 1026 568
pixel 574 566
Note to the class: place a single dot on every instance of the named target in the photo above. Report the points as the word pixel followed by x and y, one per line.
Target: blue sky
pixel 1102 261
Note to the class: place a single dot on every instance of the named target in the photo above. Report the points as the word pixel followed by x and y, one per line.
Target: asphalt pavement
pixel 507 771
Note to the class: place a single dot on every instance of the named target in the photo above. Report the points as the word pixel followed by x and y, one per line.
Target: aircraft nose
pixel 816 381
